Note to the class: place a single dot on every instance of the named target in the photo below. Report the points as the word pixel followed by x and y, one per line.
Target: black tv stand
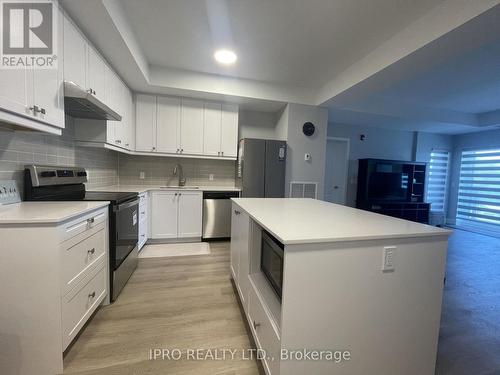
pixel 410 206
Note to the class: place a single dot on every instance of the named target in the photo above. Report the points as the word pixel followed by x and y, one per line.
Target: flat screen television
pixel 388 186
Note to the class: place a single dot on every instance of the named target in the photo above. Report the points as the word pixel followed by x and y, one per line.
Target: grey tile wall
pixel 158 170
pixel 19 148
pixel 106 168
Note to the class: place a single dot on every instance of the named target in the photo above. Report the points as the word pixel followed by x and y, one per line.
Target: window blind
pixel 479 188
pixel 437 181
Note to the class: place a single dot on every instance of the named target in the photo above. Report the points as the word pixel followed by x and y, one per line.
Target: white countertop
pixel 142 188
pixel 302 221
pixel 45 212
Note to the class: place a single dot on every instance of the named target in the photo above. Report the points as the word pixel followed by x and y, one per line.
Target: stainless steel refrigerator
pixel 260 170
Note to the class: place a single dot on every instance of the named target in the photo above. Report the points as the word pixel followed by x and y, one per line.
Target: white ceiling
pixel 297 42
pixel 429 65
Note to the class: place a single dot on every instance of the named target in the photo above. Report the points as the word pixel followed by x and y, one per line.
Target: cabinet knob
pixel 154 148
pixel 237 212
pixel 222 153
pixel 35 109
pixel 91 251
pixel 90 221
pixel 92 295
pixel 182 150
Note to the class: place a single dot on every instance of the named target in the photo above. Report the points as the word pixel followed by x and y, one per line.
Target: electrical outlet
pixel 211 177
pixel 9 193
pixel 142 175
pixel 388 261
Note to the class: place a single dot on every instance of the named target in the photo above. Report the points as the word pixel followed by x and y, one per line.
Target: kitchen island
pixel 361 292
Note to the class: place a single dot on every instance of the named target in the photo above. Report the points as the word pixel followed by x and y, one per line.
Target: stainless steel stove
pixel 53 183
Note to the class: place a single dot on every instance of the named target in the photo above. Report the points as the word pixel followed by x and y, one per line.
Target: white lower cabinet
pixel 240 222
pixel 176 214
pixel 56 275
pixel 143 219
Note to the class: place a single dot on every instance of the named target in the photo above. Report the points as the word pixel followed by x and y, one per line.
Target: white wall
pixel 297 169
pixel 254 124
pixel 379 143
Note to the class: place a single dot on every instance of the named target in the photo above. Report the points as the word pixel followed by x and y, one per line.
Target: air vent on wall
pixel 303 189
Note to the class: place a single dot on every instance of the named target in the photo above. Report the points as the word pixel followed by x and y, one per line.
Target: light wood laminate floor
pixel 180 302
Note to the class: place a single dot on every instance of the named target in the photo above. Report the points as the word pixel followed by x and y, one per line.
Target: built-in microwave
pixel 271 261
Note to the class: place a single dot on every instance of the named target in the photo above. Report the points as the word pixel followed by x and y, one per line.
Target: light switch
pixel 388 261
pixel 142 175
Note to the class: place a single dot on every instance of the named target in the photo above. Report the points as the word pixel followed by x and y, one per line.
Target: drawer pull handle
pixel 256 325
pixel 92 295
pixel 237 212
pixel 91 251
pixel 90 221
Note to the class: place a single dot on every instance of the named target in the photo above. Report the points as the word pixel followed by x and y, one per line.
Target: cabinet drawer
pixel 80 258
pixel 84 223
pixel 263 333
pixel 79 305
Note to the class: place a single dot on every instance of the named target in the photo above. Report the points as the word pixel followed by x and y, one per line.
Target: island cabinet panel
pixel 240 227
pixel 339 297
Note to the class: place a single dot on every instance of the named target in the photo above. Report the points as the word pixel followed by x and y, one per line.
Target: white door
pixel 145 123
pixel 190 207
pixel 337 158
pixel 212 129
pixel 96 74
pixel 75 57
pixel 168 124
pixel 229 130
pixel 192 126
pixel 164 207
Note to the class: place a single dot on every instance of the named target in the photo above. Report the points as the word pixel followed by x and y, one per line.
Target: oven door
pixel 127 230
pixel 272 262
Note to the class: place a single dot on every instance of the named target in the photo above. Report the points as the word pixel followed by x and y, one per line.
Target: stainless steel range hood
pixel 82 104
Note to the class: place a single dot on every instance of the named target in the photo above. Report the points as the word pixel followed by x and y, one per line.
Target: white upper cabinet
pixel 182 126
pixel 75 55
pixel 95 74
pixel 35 93
pixel 145 123
pixel 212 129
pixel 229 130
pixel 168 124
pixel 14 93
pixel 192 126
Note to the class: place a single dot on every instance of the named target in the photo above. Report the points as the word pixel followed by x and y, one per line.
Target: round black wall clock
pixel 308 128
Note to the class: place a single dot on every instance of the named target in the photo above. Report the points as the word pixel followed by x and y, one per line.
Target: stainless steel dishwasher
pixel 217 213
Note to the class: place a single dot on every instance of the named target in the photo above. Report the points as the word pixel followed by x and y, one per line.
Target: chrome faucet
pixel 178 171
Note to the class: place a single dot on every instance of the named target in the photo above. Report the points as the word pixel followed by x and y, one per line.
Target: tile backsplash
pixel 18 148
pixel 158 171
pixel 105 168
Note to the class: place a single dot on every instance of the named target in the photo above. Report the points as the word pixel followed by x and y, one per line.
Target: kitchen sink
pixel 179 187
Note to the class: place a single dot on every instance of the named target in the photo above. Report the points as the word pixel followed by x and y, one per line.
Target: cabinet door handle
pixel 91 251
pixel 222 153
pixel 154 148
pixel 92 295
pixel 182 150
pixel 126 144
pixel 90 91
pixel 90 221
pixel 175 194
pixel 178 150
pixel 143 213
pixel 35 109
pixel 256 325
pixel 237 212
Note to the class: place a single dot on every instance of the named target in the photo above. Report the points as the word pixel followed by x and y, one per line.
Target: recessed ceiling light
pixel 225 56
